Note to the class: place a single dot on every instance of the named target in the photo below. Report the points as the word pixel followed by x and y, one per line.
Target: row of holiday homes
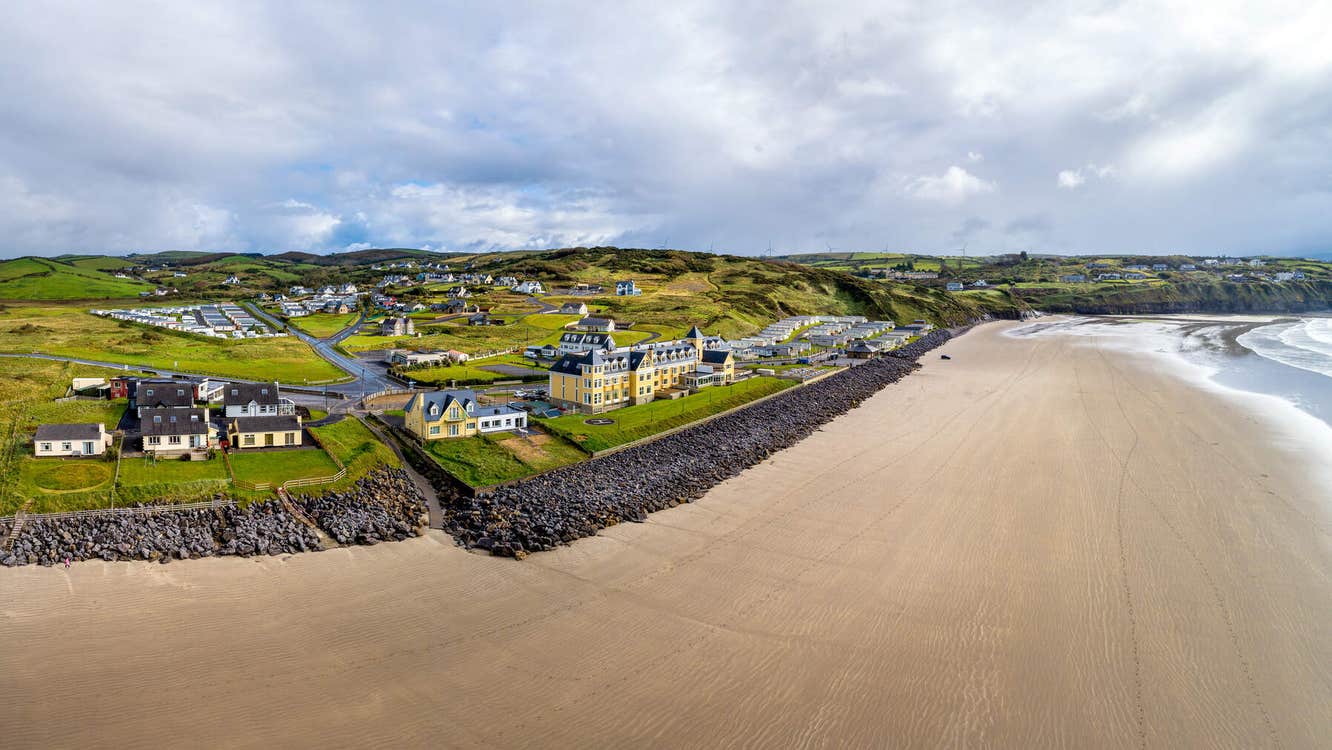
pixel 173 418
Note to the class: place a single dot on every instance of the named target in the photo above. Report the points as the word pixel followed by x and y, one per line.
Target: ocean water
pixel 1304 343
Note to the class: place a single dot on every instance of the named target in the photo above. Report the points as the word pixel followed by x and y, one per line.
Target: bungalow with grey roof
pixel 76 440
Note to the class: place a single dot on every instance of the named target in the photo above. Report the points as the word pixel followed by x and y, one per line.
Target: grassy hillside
pixel 46 279
pixel 733 295
pixel 1037 281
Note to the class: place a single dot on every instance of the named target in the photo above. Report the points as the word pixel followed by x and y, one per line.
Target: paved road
pixel 369 376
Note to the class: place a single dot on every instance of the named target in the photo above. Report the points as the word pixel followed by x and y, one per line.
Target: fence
pixel 140 510
pixel 342 474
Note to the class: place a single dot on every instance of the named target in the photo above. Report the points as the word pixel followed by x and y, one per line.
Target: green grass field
pixel 635 422
pixel 60 484
pixel 141 471
pixel 73 332
pixel 44 279
pixel 355 446
pixel 323 325
pixel 465 375
pixel 490 459
pixel 278 466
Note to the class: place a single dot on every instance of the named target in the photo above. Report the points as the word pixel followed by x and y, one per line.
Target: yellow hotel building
pixel 599 381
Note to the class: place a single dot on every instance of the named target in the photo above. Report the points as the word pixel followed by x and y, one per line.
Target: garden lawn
pixel 143 480
pixel 484 460
pixel 60 484
pixel 635 422
pixel 278 466
pixel 71 331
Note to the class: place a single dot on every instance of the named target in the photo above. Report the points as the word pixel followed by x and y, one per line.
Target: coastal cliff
pixel 1187 297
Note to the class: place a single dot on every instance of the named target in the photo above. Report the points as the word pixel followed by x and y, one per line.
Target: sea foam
pixel 1306 344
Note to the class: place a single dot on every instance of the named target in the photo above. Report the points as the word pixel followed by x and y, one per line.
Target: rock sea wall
pixel 383 506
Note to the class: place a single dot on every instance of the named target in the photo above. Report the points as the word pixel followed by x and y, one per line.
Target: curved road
pixel 369 377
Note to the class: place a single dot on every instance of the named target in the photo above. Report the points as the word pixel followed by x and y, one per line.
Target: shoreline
pixel 1294 404
pixel 1032 544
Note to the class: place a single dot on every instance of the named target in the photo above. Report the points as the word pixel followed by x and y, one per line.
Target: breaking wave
pixel 1306 344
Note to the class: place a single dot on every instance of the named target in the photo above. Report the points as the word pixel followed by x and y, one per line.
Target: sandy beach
pixel 1039 543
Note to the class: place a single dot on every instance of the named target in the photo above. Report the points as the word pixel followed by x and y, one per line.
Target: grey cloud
pixel 322 125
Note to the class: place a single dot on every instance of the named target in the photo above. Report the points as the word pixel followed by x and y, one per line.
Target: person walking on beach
pixel 66 563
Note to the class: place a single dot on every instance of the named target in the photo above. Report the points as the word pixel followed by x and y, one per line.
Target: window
pixel 154 440
pixel 157 419
pixel 46 446
pixel 291 438
pixel 453 430
pixel 174 439
pixel 434 429
pixel 249 440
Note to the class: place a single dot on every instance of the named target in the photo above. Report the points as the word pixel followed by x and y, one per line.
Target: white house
pixel 70 440
pixel 954 286
pixel 627 288
pixel 255 400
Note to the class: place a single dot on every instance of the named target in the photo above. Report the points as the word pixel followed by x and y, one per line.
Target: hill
pixel 735 294
pixel 48 279
pixel 1146 284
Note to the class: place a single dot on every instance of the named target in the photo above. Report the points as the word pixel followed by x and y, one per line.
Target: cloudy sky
pixel 800 126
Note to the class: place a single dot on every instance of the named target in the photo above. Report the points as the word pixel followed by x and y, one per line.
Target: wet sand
pixel 1038 543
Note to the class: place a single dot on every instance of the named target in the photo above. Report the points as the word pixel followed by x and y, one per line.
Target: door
pixel 268 438
pixel 87 447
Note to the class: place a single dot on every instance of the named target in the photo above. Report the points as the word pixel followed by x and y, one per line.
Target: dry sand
pixel 1035 544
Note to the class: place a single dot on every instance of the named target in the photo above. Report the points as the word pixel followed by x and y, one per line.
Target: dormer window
pixel 157 419
pixel 173 419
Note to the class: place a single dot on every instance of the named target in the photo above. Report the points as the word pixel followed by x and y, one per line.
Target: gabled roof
pixel 236 394
pixel 174 420
pixel 569 364
pixel 716 356
pixel 443 399
pixel 591 321
pixel 53 432
pixel 596 339
pixel 266 424
pixel 694 333
pixel 164 393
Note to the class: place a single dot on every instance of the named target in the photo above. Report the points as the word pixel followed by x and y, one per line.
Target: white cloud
pixel 473 217
pixel 975 156
pixel 1072 179
pixel 953 186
